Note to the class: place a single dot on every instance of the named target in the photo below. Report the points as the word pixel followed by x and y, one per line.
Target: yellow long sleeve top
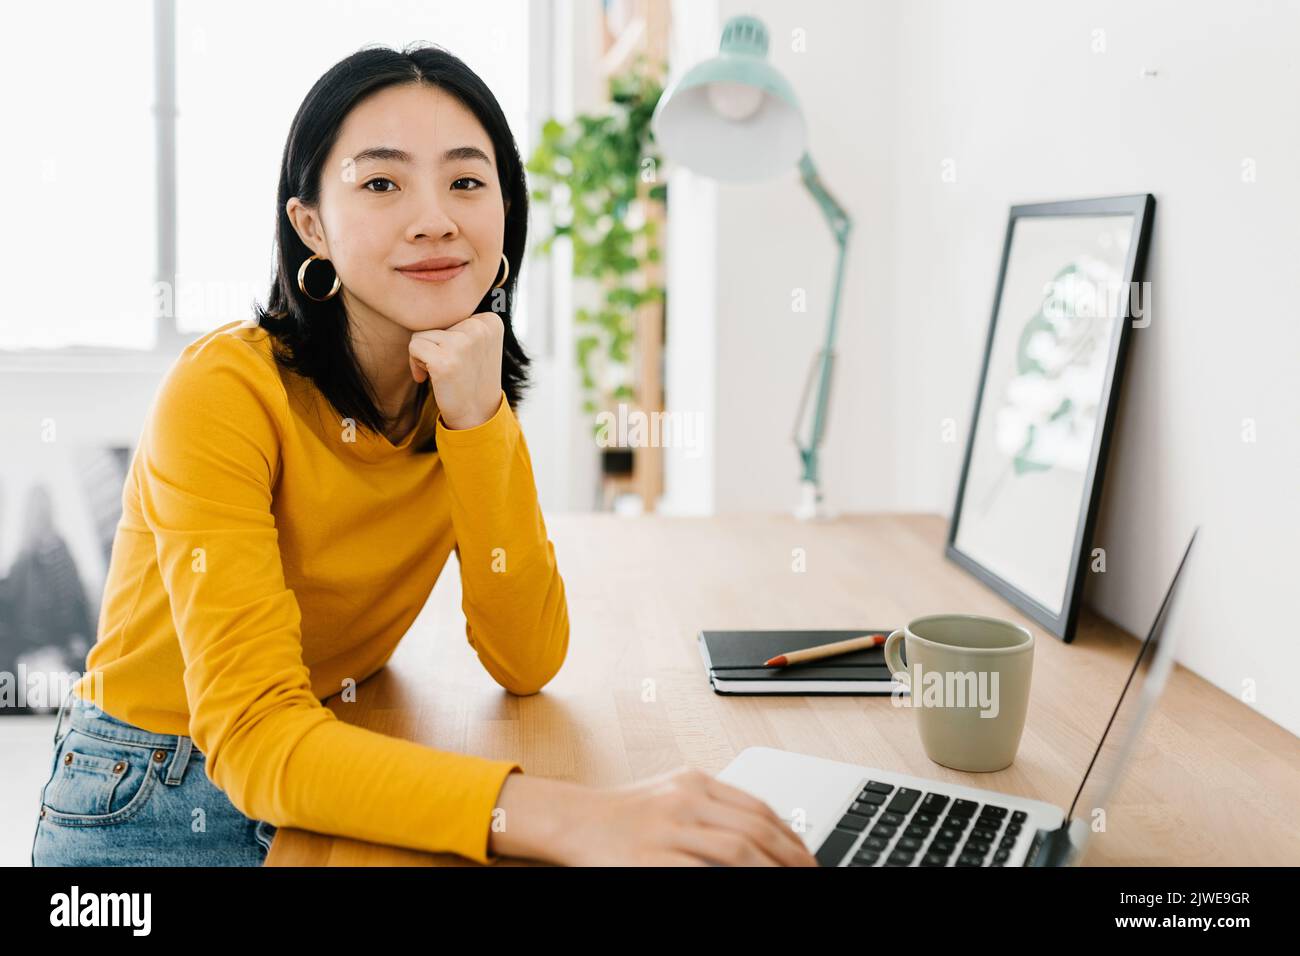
pixel 267 552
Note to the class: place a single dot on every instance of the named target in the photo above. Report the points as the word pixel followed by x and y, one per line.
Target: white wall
pixel 1015 96
pixel 690 264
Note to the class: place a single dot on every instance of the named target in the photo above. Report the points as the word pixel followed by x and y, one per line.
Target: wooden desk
pixel 1214 783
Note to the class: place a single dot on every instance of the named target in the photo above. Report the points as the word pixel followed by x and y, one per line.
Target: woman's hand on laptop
pixel 681 818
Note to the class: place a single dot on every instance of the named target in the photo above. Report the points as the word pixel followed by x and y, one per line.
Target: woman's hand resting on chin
pixel 463 366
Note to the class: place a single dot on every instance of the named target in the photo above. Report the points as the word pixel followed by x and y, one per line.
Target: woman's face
pixel 379 213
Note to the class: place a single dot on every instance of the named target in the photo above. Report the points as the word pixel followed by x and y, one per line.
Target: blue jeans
pixel 122 796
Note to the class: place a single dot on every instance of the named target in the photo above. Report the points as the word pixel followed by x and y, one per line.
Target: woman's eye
pixel 384 179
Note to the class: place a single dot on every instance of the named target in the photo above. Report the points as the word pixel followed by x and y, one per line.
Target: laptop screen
pixel 1136 701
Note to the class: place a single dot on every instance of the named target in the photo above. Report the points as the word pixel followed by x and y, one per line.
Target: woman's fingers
pixel 741 800
pixel 426 348
pixel 770 837
pixel 722 845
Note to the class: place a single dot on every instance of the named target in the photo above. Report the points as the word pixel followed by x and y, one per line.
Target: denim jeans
pixel 118 795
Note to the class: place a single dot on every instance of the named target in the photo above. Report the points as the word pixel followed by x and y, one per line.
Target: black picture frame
pixel 1062 624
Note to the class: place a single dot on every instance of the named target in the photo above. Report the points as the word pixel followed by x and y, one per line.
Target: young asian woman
pixel 300 481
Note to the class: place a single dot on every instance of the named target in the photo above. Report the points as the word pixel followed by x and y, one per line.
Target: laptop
pixel 863 816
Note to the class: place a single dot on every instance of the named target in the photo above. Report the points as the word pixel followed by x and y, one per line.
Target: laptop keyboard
pixel 906 827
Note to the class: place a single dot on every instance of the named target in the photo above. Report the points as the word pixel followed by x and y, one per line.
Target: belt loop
pixel 176 772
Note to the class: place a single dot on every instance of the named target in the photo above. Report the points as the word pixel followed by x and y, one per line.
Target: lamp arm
pixel 840 225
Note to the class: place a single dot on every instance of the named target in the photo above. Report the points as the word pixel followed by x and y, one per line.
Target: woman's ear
pixel 307 225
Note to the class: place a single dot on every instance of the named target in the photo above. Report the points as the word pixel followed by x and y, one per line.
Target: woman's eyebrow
pixel 466 152
pixel 393 154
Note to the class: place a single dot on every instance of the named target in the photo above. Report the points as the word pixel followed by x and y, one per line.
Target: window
pixel 77 162
pixel 82 175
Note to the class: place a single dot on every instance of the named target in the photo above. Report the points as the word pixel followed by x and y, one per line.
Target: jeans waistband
pixel 82 715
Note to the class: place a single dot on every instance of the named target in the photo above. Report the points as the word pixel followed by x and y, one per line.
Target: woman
pixel 286 517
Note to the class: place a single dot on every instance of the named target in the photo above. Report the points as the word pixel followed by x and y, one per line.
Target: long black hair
pixel 312 338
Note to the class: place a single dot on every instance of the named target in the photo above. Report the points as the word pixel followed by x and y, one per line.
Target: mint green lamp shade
pixel 733 117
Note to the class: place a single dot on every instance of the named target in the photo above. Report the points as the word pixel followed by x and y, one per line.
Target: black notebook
pixel 734 661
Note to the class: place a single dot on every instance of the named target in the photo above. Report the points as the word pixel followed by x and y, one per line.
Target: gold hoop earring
pixel 302 275
pixel 507 275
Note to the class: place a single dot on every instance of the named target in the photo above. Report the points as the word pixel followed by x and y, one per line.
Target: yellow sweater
pixel 267 554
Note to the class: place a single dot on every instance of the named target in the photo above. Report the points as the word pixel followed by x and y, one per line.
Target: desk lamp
pixel 735 117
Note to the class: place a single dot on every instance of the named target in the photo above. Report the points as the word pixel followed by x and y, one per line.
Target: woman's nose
pixel 433 218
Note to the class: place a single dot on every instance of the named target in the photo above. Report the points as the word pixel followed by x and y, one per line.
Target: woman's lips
pixel 435 275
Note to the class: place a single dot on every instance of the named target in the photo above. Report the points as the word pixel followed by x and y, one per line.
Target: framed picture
pixel 60 502
pixel 1069 288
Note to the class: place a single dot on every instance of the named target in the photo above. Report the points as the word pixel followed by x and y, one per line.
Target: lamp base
pixel 811 506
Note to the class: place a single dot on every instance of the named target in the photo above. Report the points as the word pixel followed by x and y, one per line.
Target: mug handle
pixel 892 658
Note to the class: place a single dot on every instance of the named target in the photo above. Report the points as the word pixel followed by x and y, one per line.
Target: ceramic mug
pixel 968 678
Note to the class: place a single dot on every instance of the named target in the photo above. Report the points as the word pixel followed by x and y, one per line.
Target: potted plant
pixel 597 175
